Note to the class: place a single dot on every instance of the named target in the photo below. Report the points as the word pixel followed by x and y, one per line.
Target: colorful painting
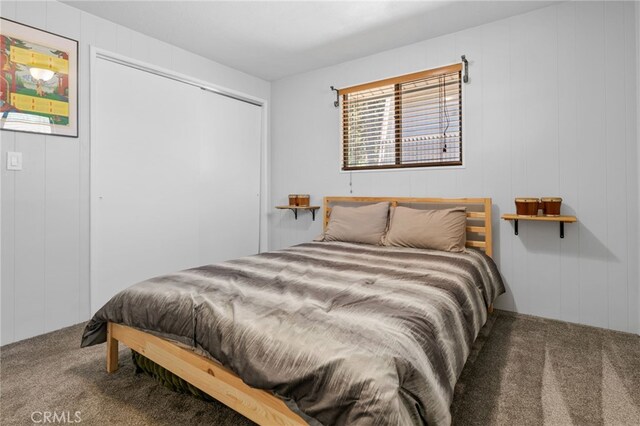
pixel 38 81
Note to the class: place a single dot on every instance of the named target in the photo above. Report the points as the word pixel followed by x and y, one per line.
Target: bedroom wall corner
pixel 637 14
pixel 45 207
pixel 535 125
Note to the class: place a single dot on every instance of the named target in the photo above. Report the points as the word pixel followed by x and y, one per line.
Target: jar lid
pixel 551 199
pixel 527 200
pixel 303 195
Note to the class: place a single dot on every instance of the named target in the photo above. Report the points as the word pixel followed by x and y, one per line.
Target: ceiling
pixel 275 39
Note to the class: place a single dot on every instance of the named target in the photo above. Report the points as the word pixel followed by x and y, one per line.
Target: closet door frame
pixel 96 54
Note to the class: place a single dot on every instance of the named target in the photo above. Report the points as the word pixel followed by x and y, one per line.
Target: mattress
pixel 350 333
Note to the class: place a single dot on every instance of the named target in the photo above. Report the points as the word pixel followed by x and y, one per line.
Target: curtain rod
pixel 465 78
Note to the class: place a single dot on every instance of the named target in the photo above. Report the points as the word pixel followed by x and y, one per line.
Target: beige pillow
pixel 365 224
pixel 444 229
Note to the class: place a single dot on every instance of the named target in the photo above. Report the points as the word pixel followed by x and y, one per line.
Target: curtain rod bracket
pixel 336 103
pixel 465 78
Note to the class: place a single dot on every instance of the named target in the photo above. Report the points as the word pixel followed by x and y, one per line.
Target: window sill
pixel 404 169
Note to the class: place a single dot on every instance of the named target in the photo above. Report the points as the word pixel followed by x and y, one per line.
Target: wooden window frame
pixel 397 83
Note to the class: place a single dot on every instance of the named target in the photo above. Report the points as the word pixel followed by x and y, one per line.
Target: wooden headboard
pixel 478 213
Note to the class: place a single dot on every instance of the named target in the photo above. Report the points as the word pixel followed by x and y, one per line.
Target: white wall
pixel 638 109
pixel 550 110
pixel 45 207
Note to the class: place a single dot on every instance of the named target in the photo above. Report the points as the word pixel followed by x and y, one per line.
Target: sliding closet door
pixel 175 178
pixel 230 178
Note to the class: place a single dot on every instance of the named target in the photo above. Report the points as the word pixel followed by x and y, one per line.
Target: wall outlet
pixel 14 160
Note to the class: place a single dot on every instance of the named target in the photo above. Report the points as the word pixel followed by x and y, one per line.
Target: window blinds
pixel 408 121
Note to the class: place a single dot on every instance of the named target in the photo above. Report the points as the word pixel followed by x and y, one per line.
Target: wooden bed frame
pixel 222 384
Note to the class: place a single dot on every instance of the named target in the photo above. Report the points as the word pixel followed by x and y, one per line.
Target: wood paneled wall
pixel 45 207
pixel 637 5
pixel 550 110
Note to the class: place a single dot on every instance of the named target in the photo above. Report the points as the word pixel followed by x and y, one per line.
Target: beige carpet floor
pixel 522 371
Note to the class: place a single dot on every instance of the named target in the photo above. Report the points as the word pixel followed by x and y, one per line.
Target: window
pixel 410 121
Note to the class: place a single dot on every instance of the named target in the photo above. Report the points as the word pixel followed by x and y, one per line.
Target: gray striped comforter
pixel 353 334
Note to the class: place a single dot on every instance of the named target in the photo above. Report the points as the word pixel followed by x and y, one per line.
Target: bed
pixel 319 333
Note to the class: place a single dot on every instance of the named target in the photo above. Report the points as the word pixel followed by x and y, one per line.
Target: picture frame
pixel 38 81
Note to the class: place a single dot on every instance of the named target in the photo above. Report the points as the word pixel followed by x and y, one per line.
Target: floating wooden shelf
pixel 295 209
pixel 560 219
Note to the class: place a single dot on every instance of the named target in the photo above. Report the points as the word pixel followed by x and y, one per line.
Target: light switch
pixel 14 161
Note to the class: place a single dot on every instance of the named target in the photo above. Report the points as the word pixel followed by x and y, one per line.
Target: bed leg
pixel 490 308
pixel 112 351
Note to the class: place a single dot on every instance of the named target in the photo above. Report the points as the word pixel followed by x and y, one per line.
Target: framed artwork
pixel 38 81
